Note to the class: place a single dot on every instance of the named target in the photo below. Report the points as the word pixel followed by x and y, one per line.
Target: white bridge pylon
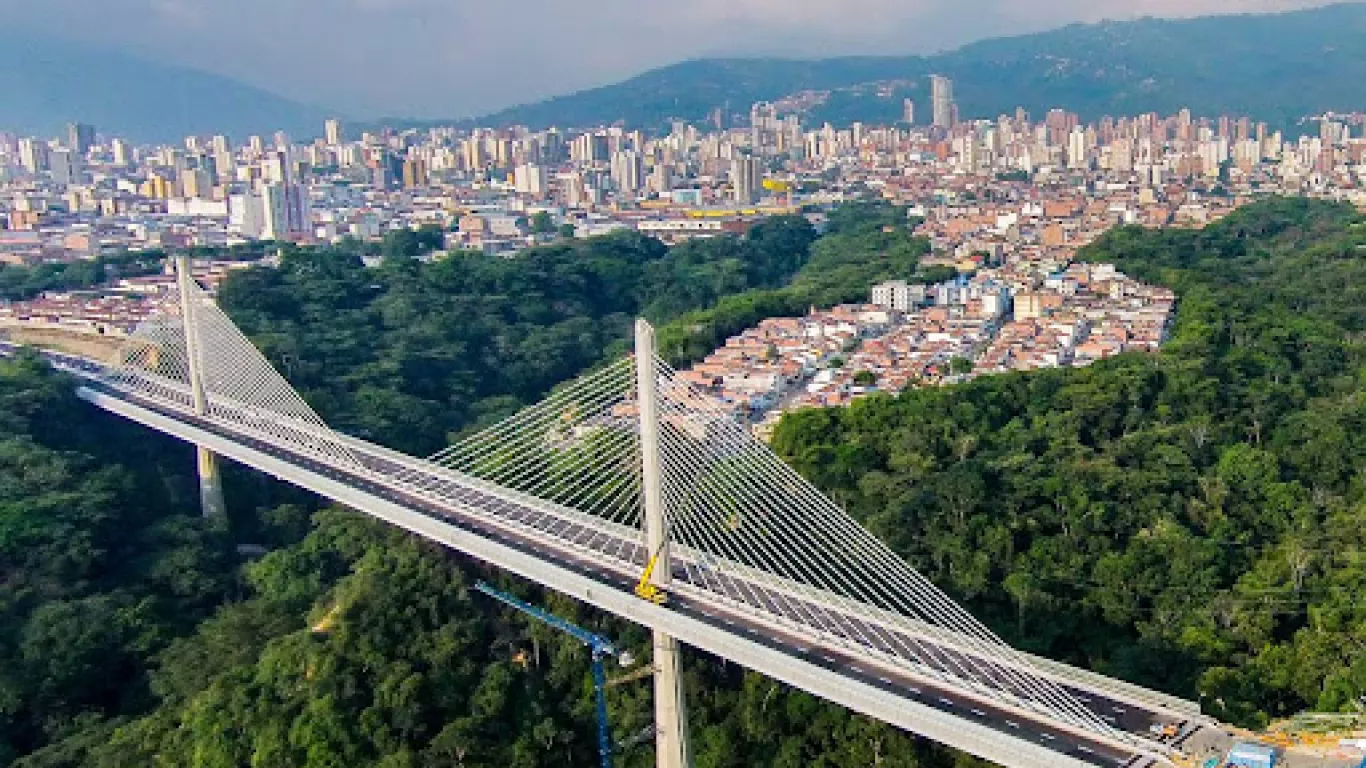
pixel 241 387
pixel 746 530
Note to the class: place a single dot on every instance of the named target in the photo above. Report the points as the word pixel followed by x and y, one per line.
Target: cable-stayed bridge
pixel 629 466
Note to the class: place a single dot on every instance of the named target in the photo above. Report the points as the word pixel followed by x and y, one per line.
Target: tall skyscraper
pixel 246 215
pixel 1077 147
pixel 475 157
pixel 64 165
pixel 746 174
pixel 627 170
pixel 661 179
pixel 80 137
pixel 908 111
pixel 332 130
pixel 941 97
pixel 123 154
pixel 223 163
pixel 414 173
pixel 286 211
pixel 531 180
pixel 763 124
pixel 33 155
pixel 196 183
pixel 275 167
pixel 589 148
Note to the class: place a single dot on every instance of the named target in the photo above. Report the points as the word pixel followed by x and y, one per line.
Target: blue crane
pixel 600 647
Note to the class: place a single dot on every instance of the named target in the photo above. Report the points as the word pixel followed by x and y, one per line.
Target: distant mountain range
pixel 45 84
pixel 1274 67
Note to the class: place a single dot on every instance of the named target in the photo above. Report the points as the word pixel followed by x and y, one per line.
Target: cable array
pixel 241 387
pixel 747 530
pixel 771 540
pixel 578 448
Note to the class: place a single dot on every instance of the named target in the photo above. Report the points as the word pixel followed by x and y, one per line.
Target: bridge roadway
pixel 498 519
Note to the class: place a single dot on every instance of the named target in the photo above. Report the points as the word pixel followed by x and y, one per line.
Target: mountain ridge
pixel 48 83
pixel 1276 66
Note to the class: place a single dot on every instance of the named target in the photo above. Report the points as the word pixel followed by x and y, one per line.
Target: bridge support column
pixel 211 501
pixel 671 714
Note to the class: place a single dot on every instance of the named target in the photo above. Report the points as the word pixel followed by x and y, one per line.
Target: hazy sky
pixel 455 58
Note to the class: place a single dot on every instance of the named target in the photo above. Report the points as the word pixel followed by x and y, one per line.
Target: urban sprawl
pixel 1005 202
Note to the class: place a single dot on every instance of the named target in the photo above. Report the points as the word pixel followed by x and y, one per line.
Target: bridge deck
pixel 528 529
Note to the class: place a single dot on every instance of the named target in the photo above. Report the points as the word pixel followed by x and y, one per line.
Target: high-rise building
pixel 573 191
pixel 908 111
pixel 589 149
pixel 627 171
pixel 502 154
pixel 745 175
pixel 286 210
pixel 1077 149
pixel 246 215
pixel 941 98
pixel 332 130
pixel 763 125
pixel 275 167
pixel 661 179
pixel 80 137
pixel 223 162
pixel 414 173
pixel 196 183
pixel 158 186
pixel 65 166
pixel 475 158
pixel 123 154
pixel 33 155
pixel 530 180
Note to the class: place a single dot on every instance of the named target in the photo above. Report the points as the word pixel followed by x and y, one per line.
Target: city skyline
pixel 337 60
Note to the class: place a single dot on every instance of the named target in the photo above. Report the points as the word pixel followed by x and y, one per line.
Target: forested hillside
pixel 103 561
pixel 1277 67
pixel 1190 520
pixel 1193 520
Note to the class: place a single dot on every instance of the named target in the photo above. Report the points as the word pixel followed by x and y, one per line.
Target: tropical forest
pixel 1189 520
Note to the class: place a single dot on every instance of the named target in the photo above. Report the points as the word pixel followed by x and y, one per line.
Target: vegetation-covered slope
pixel 1276 67
pixel 102 561
pixel 1191 520
pixel 48 83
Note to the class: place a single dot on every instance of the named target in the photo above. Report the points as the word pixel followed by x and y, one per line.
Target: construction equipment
pixel 646 590
pixel 598 645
